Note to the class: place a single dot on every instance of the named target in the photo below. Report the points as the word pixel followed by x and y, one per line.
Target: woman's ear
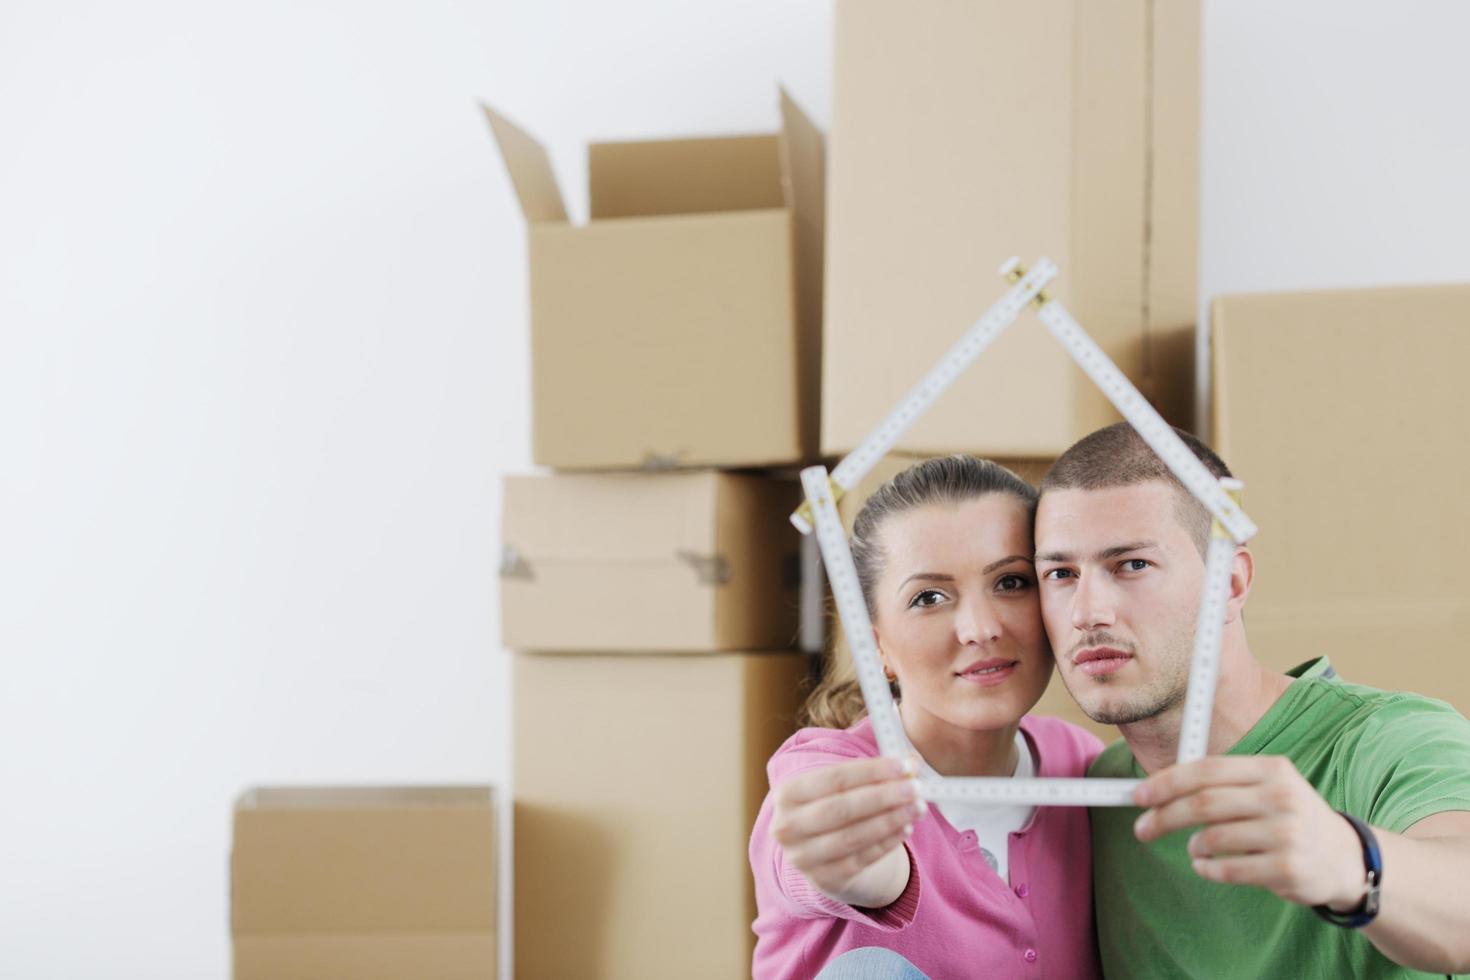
pixel 887 667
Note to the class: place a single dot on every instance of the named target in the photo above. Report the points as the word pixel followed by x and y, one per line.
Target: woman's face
pixel 958 616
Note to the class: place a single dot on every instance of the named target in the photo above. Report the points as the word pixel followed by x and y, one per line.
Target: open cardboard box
pixel 680 326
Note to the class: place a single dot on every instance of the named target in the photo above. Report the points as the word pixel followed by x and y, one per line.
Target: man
pixel 1120 546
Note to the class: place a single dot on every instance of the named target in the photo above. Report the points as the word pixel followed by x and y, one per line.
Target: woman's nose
pixel 976 622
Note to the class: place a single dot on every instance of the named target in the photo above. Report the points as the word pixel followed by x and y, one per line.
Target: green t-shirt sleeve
pixel 1410 759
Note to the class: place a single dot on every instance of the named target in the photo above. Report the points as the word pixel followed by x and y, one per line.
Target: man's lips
pixel 986 673
pixel 1100 660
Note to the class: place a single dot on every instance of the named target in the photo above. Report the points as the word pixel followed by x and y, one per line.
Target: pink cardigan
pixel 956 918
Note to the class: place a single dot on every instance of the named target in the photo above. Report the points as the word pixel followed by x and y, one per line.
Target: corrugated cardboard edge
pixel 803 163
pixel 529 168
pixel 1219 434
pixel 751 521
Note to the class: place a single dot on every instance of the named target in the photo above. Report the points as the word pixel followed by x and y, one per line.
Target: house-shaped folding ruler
pixel 1232 527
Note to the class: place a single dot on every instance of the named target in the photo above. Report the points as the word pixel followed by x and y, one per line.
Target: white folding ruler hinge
pixel 1219 496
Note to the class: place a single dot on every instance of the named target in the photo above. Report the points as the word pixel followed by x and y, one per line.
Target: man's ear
pixel 1242 574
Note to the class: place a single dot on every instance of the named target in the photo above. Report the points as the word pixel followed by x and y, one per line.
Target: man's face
pixel 1120 587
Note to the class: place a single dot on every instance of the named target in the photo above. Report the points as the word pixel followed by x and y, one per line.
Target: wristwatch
pixel 1366 910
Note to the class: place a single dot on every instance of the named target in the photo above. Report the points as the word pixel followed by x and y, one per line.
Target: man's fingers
pixel 1239 837
pixel 1250 869
pixel 854 838
pixel 834 779
pixel 831 813
pixel 1211 805
pixel 1189 777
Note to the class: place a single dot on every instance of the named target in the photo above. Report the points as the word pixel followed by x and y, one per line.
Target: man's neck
pixel 1245 692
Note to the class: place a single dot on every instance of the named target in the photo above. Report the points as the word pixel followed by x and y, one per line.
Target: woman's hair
pixel 837 700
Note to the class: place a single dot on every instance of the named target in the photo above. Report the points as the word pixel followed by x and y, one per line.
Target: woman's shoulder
pixel 813 747
pixel 1061 744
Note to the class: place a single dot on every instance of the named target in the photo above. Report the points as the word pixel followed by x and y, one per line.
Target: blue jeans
pixel 871 963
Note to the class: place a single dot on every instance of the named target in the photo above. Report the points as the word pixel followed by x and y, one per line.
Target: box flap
pixel 803 166
pixel 530 170
pixel 686 176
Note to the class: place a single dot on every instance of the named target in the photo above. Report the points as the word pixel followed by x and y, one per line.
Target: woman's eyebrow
pixel 1005 561
pixel 937 577
pixel 927 576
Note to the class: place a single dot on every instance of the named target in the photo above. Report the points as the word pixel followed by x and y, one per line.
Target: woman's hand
pixel 843 827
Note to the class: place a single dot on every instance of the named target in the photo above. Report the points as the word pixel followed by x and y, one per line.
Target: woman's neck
pixel 954 751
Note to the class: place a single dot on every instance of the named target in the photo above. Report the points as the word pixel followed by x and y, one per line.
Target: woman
pixel 847 859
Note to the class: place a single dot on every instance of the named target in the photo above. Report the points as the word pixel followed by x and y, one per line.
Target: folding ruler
pixel 1220 497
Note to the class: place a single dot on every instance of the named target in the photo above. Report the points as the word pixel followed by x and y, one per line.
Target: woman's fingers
pixel 818 817
pixel 840 872
pixel 856 839
pixel 826 781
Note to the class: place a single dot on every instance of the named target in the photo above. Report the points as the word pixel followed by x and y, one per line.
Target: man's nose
pixel 976 622
pixel 1092 604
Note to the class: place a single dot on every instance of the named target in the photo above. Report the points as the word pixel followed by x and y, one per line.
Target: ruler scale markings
pixel 1232 526
pixel 1149 424
pixel 857 464
pixel 1209 628
pixel 887 726
pixel 848 595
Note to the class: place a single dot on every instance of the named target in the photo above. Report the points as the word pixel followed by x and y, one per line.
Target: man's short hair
pixel 1117 456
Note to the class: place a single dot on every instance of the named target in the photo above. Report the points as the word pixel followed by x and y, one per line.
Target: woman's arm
pixel 843 828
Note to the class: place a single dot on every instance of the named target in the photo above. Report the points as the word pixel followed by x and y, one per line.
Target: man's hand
pixel 1263 824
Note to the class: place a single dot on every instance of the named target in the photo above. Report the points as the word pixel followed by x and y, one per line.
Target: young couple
pixel 1326 835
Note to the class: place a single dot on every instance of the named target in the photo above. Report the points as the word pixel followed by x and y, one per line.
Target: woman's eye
pixel 928 597
pixel 1012 583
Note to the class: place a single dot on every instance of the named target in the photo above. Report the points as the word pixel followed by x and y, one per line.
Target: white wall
pixel 263 357
pixel 1336 149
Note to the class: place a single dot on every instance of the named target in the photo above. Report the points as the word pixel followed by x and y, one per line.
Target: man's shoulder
pixel 1358 709
pixel 1114 762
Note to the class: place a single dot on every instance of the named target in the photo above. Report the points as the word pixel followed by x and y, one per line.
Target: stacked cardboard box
pixel 653 609
pixel 363 884
pixel 1343 412
pixel 680 327
pixel 963 133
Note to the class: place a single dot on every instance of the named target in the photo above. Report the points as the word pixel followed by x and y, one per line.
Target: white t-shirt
pixel 993 823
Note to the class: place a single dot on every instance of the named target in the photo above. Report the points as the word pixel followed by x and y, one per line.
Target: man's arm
pixel 1263 824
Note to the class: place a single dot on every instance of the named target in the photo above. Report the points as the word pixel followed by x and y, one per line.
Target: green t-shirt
pixel 1388 758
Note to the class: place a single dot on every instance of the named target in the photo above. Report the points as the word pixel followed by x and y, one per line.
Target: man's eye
pixel 1012 583
pixel 1135 565
pixel 928 597
pixel 1057 574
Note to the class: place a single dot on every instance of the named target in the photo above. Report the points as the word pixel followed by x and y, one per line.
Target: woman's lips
pixel 988 673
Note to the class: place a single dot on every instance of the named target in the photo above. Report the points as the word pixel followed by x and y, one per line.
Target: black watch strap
pixel 1367 909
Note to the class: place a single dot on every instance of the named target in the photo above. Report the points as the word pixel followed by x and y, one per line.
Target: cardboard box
pixel 964 133
pixel 686 561
pixel 637 781
pixel 1344 413
pixel 1056 701
pixel 682 324
pixel 358 883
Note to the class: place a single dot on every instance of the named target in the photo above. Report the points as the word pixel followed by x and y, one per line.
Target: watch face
pixel 1370 900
